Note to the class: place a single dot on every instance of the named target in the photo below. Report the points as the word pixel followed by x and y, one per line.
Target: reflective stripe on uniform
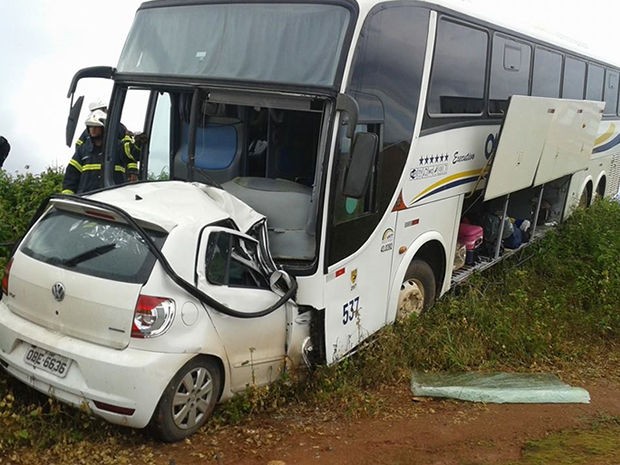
pixel 92 167
pixel 119 168
pixel 79 142
pixel 127 142
pixel 76 164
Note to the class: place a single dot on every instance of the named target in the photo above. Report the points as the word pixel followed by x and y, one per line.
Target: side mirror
pixel 361 164
pixel 72 120
pixel 280 281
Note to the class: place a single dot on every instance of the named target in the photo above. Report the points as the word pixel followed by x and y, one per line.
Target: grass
pixel 557 308
pixel 594 445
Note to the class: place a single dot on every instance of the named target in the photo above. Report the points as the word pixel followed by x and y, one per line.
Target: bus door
pixel 356 290
pixel 358 258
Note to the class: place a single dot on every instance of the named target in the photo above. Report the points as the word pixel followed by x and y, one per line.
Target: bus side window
pixel 611 92
pixel 594 85
pixel 574 78
pixel 459 68
pixel 510 72
pixel 547 74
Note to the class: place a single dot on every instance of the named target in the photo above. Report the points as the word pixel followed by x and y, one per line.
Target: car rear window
pixel 92 246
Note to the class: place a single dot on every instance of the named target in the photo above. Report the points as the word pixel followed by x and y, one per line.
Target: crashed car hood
pixel 172 203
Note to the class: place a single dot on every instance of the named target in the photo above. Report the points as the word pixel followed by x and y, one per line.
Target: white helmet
pixel 96 118
pixel 98 105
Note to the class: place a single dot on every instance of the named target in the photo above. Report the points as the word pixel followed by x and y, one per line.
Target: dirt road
pixel 406 431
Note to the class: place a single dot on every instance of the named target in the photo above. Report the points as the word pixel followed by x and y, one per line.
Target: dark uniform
pixel 5 148
pixel 130 147
pixel 84 172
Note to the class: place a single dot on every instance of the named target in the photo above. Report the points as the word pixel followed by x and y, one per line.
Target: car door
pixel 229 270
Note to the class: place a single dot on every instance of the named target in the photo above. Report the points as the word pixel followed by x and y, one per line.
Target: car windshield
pixel 284 43
pixel 92 246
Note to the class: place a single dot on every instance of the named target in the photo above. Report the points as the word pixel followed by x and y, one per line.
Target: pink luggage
pixel 471 236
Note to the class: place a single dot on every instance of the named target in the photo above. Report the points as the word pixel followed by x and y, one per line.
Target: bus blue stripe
pixel 612 143
pixel 456 183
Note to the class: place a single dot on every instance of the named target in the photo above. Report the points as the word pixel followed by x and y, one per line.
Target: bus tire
pixel 599 193
pixel 418 290
pixel 584 199
pixel 188 401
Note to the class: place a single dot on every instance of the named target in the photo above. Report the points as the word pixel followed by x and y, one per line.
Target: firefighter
pixel 132 146
pixel 84 172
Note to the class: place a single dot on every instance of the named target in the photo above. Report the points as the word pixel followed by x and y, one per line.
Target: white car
pixel 148 303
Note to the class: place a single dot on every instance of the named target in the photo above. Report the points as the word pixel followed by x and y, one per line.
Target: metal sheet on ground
pixel 498 388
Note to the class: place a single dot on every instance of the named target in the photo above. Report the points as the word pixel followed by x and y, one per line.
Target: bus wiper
pixel 92 253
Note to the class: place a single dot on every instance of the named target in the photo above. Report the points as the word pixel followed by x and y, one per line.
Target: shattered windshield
pixel 91 246
pixel 285 43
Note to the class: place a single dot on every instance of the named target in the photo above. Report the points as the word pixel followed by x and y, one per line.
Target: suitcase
pixel 471 235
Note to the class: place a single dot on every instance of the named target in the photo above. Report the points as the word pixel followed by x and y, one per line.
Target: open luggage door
pixel 570 139
pixel 542 139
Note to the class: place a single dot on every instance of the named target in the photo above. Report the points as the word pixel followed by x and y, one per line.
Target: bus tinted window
pixel 386 81
pixel 459 69
pixel 594 89
pixel 510 72
pixel 611 92
pixel 547 74
pixel 574 78
pixel 388 69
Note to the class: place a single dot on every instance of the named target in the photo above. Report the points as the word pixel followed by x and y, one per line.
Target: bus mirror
pixel 349 106
pixel 103 72
pixel 72 120
pixel 361 164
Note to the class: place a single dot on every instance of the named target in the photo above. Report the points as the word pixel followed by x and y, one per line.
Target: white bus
pixel 367 133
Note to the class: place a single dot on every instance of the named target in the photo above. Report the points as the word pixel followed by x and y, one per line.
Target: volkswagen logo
pixel 58 291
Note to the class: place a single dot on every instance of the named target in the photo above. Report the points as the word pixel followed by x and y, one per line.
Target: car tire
pixel 188 401
pixel 418 290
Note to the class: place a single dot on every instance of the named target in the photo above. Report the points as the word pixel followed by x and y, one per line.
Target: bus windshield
pixel 273 43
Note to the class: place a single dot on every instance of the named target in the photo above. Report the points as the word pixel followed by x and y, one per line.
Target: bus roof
pixel 467 10
pixel 461 8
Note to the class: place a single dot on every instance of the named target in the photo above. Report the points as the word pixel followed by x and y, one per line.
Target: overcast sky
pixel 44 42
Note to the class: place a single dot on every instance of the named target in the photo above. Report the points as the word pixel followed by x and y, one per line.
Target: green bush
pixel 20 197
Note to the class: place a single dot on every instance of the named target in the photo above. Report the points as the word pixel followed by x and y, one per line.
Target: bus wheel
pixel 599 193
pixel 417 292
pixel 188 400
pixel 584 200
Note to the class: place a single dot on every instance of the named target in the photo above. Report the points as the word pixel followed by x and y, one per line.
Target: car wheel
pixel 188 400
pixel 417 292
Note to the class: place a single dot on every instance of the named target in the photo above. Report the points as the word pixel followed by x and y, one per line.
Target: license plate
pixel 47 361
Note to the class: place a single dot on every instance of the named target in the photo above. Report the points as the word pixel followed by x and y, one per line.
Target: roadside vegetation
pixel 554 306
pixel 20 197
pixel 596 444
